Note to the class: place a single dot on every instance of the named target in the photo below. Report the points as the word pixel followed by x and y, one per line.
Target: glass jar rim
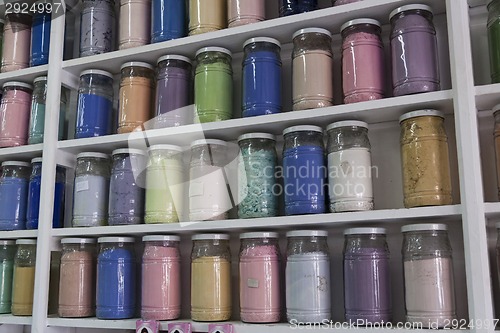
pixel 424 227
pixel 256 136
pixel 78 241
pixel 365 231
pixel 307 233
pixel 347 123
pixel 213 49
pixel 420 113
pixel 161 238
pixel 40 78
pixel 17 84
pixel 36 160
pixel 96 71
pixel 137 64
pixel 264 234
pixel 409 7
pixel 16 163
pixel 262 40
pixel 174 57
pixel 165 147
pixel 302 128
pixel 312 30
pixel 206 142
pixel 92 154
pixel 495 109
pixel 7 242
pixel 359 21
pixel 128 151
pixel 210 237
pixel 26 241
pixel 116 240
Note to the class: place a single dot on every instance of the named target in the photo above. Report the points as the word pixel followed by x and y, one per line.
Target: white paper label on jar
pixel 253 283
pixel 195 189
pixel 82 186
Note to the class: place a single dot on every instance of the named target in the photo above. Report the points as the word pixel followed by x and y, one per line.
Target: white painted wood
pixel 15 234
pixel 25 75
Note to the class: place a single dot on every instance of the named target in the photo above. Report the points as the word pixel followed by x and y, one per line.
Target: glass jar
pixel 37 113
pixel 496 135
pixel 77 278
pixel 116 278
pixel 363 63
pixel 126 187
pixel 210 278
pixel 307 276
pixel 161 278
pixel 367 276
pixel 494 39
pixel 40 33
pixel 261 77
pixel 424 157
pixel 343 2
pixel 7 254
pixel 136 94
pixel 135 23
pixel 173 92
pixel 16 42
pixel 165 182
pixel 349 166
pixel 209 196
pixel 14 195
pixel 15 113
pixel 95 104
pixel 303 150
pixel 312 69
pixel 23 284
pixel 414 54
pixel 242 12
pixel 291 7
pixel 97 27
pixel 213 85
pixel 206 16
pixel 428 275
pixel 2 23
pixel 257 176
pixel 34 194
pixel 91 190
pixel 259 272
pixel 168 20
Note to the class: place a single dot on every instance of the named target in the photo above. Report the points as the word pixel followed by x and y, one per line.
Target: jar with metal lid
pixel 16 42
pixel 496 135
pixel 37 114
pixel 209 195
pixel 161 278
pixel 261 77
pixel 424 157
pixel 213 85
pixel 77 278
pixel 312 69
pixel 259 272
pixel 349 166
pixel 168 20
pixel 304 170
pixel 210 278
pixel 2 23
pixel 414 51
pixel 95 104
pixel 7 254
pixel 173 92
pixel 15 113
pixel 165 185
pixel 23 280
pixel 363 63
pixel 367 276
pixel 307 277
pixel 343 2
pixel 291 7
pixel 34 194
pixel 136 94
pixel 40 33
pixel 97 27
pixel 257 176
pixel 428 275
pixel 242 12
pixel 14 183
pixel 116 278
pixel 134 23
pixel 494 39
pixel 91 190
pixel 126 187
pixel 207 16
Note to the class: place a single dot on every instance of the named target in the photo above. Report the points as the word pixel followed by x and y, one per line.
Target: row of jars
pixel 145 21
pixel 312 72
pixel 22 112
pixel 20 193
pixel 367 277
pixel 25 37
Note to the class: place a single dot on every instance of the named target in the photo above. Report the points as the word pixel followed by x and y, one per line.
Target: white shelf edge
pixel 492 209
pixel 23 152
pixel 487 96
pixel 383 110
pixel 26 75
pixel 280 222
pixel 15 234
pixel 8 319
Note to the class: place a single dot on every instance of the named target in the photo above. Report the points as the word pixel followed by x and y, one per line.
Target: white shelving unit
pixel 465 90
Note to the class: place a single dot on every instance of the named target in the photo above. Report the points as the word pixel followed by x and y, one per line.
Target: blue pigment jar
pixel 304 170
pixel 34 196
pixel 291 7
pixel 116 269
pixel 95 104
pixel 40 34
pixel 14 195
pixel 261 78
pixel 169 20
